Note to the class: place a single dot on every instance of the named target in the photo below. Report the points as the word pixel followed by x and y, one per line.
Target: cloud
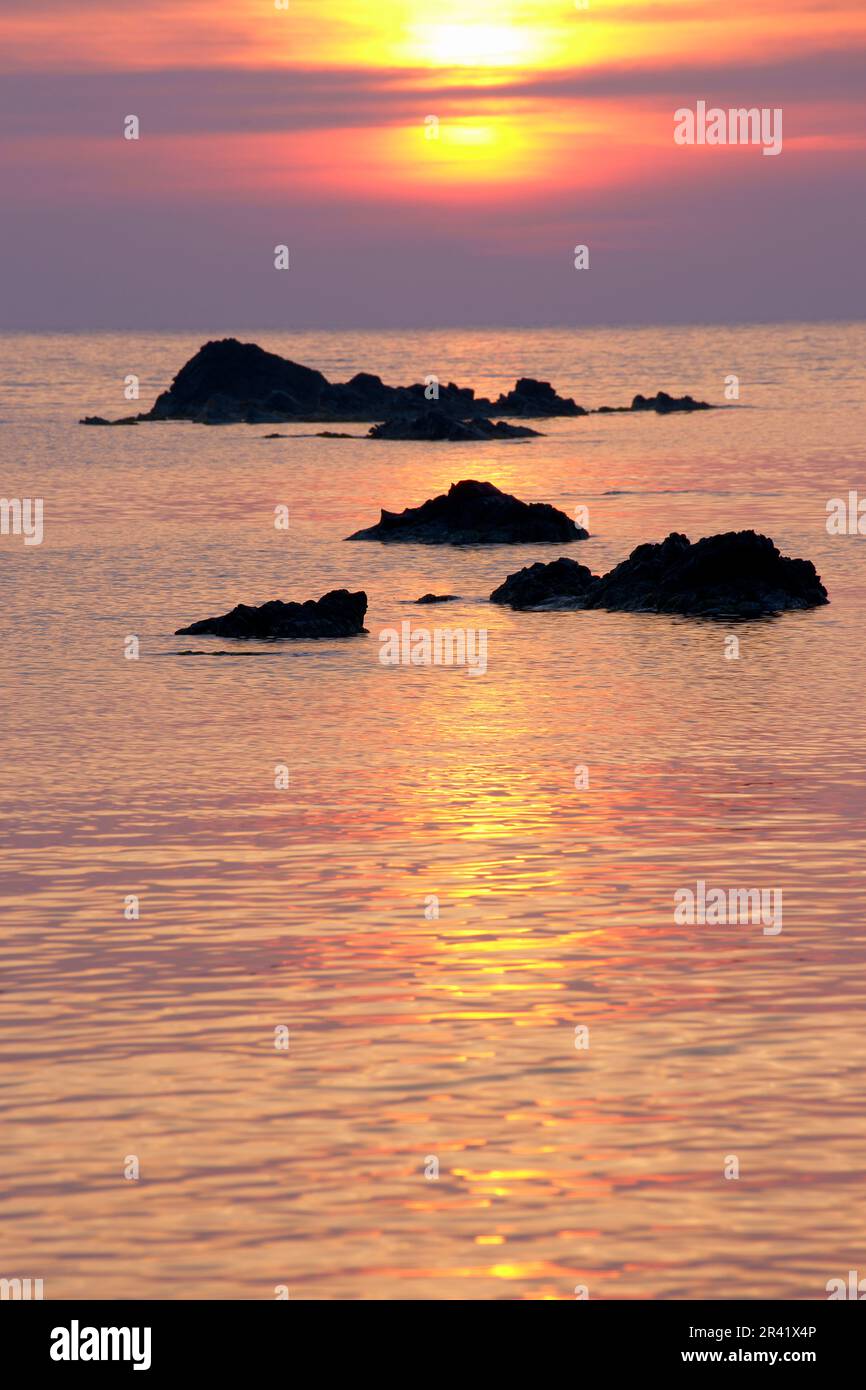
pixel 230 100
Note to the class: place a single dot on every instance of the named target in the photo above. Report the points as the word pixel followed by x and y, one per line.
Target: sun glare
pixel 474 45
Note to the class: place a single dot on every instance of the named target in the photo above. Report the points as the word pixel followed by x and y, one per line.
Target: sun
pixel 473 45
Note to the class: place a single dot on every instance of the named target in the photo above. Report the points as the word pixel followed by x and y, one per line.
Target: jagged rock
pixel 536 398
pixel 735 575
pixel 229 382
pixel 663 404
pixel 437 598
pixel 472 513
pixel 561 584
pixel 338 613
pixel 436 425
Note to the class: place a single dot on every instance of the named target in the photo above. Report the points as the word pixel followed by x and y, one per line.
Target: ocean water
pixel 413 1036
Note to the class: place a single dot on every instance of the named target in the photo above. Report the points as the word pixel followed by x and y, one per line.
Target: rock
pixel 436 425
pixel 560 584
pixel 663 404
pixel 437 598
pixel 337 614
pixel 474 514
pixel 99 420
pixel 228 382
pixel 536 398
pixel 737 574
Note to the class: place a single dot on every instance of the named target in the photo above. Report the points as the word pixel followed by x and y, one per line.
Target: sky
pixel 426 163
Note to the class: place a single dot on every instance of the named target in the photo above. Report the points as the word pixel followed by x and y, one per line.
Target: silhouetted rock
pixel 437 598
pixel 436 425
pixel 536 398
pixel 337 614
pixel 99 420
pixel 229 382
pixel 663 404
pixel 561 584
pixel 737 574
pixel 473 513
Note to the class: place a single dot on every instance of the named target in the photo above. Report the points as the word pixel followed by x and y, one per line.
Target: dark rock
pixel 335 434
pixel 98 420
pixel 536 398
pixel 435 425
pixel 229 382
pixel 437 598
pixel 473 513
pixel 737 574
pixel 561 584
pixel 663 404
pixel 337 614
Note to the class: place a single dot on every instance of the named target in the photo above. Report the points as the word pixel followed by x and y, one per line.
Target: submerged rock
pixel 338 613
pixel 436 425
pixel 100 420
pixel 561 584
pixel 663 404
pixel 437 598
pixel 473 513
pixel 738 574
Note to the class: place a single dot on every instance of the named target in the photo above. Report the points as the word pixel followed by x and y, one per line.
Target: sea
pixel 325 978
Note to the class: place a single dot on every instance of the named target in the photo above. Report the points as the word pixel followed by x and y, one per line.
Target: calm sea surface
pixel 414 1037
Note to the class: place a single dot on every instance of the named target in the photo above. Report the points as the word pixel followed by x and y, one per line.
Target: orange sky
pixel 452 105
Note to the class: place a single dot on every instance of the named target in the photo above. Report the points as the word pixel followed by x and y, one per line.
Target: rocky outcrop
pixel 435 425
pixel 337 614
pixel 738 574
pixel 228 382
pixel 561 584
pixel 473 513
pixel 535 399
